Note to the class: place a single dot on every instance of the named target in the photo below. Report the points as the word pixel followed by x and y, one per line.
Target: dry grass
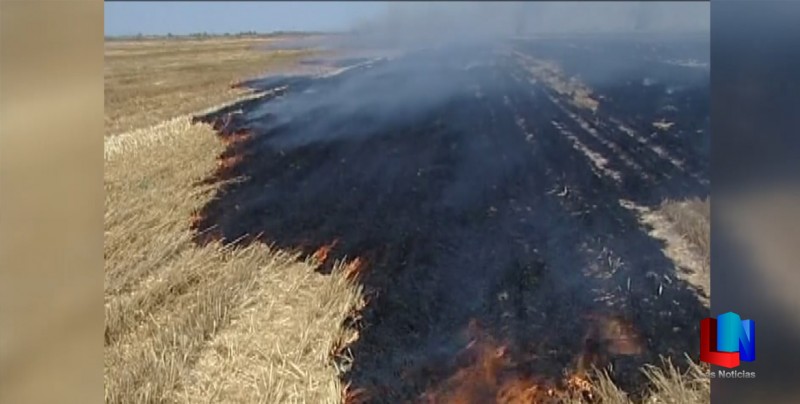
pixel 553 77
pixel 186 323
pixel 669 386
pixel 685 228
pixel 692 220
pixel 147 82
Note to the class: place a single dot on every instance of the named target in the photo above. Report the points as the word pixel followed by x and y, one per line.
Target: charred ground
pixel 491 216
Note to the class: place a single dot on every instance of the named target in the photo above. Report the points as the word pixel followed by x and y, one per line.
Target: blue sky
pixel 128 18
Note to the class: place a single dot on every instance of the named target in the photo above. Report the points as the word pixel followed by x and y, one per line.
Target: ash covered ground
pixel 490 193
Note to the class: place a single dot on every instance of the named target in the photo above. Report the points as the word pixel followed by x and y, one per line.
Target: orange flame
pixel 354 396
pixel 322 252
pixel 354 269
pixel 228 162
pixel 236 138
pixel 493 376
pixel 490 377
pixel 205 236
pixel 195 219
pixel 608 335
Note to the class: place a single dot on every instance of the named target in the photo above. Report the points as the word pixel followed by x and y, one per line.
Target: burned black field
pixel 486 197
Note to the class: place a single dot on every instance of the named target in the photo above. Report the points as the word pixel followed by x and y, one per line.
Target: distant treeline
pixel 206 35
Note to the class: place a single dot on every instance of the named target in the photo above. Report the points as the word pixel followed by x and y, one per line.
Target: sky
pixel 160 18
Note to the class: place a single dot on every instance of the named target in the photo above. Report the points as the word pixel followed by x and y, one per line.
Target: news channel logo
pixel 727 340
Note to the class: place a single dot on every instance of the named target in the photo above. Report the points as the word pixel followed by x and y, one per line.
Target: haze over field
pixel 480 20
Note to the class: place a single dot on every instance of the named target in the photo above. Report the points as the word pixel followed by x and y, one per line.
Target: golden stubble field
pixel 196 324
pixel 149 81
pixel 214 323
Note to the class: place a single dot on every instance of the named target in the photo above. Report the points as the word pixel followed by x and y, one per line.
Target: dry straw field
pixel 215 323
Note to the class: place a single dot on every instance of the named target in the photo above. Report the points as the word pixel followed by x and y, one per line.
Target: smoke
pixel 422 24
pixel 381 94
pixel 442 51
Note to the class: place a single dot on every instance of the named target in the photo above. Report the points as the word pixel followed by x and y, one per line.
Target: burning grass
pixel 410 261
pixel 489 372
